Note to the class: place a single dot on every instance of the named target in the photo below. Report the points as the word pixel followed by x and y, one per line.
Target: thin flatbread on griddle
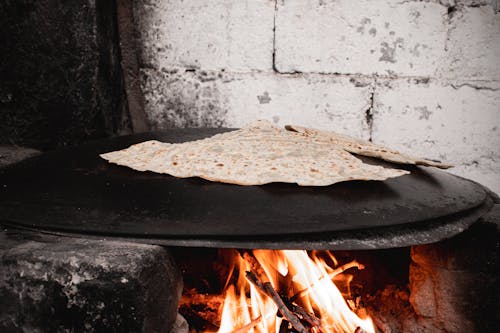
pixel 254 155
pixel 362 147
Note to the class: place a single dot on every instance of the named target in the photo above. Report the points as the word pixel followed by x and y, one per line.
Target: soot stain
pixel 425 113
pixel 389 51
pixel 264 98
pixel 364 22
pixel 359 83
pixel 190 99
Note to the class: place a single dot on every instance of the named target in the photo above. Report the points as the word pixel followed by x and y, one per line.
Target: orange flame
pixel 307 278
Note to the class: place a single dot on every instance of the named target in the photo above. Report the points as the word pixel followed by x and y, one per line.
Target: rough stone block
pixel 60 72
pixel 473 44
pixel 439 299
pixel 480 239
pixel 214 34
pixel 11 154
pixel 348 37
pixel 182 98
pixel 454 122
pixel 454 283
pixel 54 284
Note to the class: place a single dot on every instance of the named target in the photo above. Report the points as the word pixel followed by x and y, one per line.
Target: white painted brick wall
pixel 427 71
pixel 455 123
pixel 235 99
pixel 207 34
pixel 473 45
pixel 366 37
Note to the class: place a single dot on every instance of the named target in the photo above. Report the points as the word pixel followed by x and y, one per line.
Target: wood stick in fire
pixel 249 326
pixel 331 275
pixel 267 289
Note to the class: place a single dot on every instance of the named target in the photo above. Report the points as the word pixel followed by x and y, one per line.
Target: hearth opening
pixel 277 291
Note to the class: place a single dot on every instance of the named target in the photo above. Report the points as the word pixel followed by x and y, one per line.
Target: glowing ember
pixel 309 300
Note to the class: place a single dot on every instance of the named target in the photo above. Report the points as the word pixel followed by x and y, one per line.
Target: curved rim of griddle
pixel 386 237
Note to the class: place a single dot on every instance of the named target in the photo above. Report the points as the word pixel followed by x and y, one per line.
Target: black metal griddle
pixel 75 192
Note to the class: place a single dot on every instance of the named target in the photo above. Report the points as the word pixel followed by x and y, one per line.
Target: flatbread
pixel 254 155
pixel 362 147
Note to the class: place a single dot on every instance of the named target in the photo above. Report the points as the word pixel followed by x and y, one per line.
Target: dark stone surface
pixel 455 283
pixel 10 154
pixel 130 64
pixel 61 82
pixel 50 284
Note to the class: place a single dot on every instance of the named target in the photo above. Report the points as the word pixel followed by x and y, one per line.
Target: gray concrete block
pixel 360 37
pixel 455 122
pixel 473 43
pixel 181 98
pixel 212 35
pixel 454 283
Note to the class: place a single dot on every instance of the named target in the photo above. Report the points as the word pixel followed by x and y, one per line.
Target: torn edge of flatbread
pixel 363 147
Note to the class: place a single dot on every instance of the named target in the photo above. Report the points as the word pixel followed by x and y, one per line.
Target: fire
pixel 297 285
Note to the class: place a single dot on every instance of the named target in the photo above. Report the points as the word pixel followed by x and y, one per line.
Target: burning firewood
pixel 293 313
pixel 259 299
pixel 201 310
pixel 267 289
pixel 360 330
pixel 331 275
pixel 311 319
pixel 249 326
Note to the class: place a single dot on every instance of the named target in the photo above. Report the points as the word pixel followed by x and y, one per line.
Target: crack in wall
pixel 369 117
pixel 470 85
pixel 274 36
pixel 370 111
pixel 458 3
pixel 451 10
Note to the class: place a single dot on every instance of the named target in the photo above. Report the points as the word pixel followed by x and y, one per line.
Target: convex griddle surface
pixel 75 192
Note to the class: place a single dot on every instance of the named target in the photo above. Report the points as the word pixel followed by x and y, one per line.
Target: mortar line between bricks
pixel 387 77
pixel 447 81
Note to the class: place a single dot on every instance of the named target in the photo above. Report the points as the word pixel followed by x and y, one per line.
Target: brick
pixel 200 98
pixel 453 122
pixel 348 37
pixel 56 284
pixel 211 34
pixel 454 283
pixel 473 45
pixel 422 295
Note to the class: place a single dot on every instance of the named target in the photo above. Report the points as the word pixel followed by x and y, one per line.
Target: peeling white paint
pixel 422 76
